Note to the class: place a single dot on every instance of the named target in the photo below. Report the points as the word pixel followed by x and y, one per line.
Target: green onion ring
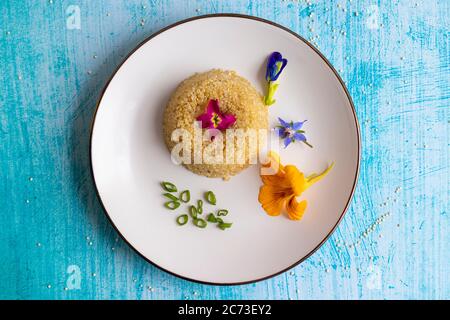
pixel 210 197
pixel 200 223
pixel 185 196
pixel 200 206
pixel 222 212
pixel 193 212
pixel 172 205
pixel 183 219
pixel 170 196
pixel 224 225
pixel 169 186
pixel 211 218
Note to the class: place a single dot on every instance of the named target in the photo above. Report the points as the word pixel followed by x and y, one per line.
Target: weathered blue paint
pixel 395 58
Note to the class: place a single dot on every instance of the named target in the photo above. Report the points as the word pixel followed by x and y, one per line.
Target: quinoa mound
pixel 236 96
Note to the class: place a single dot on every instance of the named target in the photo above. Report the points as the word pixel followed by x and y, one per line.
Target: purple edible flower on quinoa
pixel 214 119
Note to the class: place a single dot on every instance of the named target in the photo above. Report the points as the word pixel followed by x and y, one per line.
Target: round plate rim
pixel 243 16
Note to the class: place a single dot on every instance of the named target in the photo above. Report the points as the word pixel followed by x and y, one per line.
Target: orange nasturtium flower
pixel 281 189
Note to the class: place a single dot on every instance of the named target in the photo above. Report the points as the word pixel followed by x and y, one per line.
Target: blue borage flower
pixel 291 132
pixel 275 65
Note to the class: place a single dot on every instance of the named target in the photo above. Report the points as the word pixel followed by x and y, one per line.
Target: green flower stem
pixel 269 98
pixel 307 143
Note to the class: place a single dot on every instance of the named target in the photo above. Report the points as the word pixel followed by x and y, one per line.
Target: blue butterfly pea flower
pixel 275 65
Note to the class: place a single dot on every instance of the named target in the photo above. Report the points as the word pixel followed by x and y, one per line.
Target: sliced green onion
pixel 211 218
pixel 183 219
pixel 200 206
pixel 210 197
pixel 172 205
pixel 169 186
pixel 200 223
pixel 219 220
pixel 224 225
pixel 222 212
pixel 185 196
pixel 193 212
pixel 170 196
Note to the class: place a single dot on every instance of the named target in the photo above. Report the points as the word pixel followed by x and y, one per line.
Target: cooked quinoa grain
pixel 236 95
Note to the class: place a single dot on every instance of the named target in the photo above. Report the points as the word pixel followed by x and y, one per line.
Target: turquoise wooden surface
pixel 55 57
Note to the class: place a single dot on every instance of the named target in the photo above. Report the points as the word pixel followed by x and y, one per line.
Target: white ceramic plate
pixel 129 158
